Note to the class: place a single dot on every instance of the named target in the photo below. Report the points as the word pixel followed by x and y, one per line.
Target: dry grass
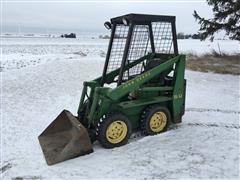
pixel 215 62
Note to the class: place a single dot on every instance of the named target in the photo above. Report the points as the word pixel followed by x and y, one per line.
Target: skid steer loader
pixel 142 88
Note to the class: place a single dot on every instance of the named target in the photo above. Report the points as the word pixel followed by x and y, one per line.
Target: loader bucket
pixel 65 138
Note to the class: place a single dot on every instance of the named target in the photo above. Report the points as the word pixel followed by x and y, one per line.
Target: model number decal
pixel 178 96
pixel 140 78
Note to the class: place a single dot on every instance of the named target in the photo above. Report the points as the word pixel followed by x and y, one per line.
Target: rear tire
pixel 154 120
pixel 113 130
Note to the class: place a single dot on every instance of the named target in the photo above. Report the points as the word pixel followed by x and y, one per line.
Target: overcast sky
pixel 43 17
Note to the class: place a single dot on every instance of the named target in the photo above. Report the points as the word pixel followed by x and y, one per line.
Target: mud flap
pixel 65 138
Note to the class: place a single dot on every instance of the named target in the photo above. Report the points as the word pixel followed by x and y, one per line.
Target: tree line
pixel 181 35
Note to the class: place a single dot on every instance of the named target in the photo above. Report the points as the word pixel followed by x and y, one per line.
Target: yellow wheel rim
pixel 116 132
pixel 158 121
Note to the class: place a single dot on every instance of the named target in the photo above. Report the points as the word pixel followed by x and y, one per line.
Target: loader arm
pixel 136 82
pixel 109 78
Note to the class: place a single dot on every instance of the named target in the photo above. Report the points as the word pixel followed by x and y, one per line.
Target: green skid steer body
pixel 142 88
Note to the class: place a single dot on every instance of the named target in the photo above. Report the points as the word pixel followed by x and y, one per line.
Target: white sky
pixel 72 16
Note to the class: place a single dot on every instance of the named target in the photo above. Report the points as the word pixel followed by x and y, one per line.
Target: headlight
pixel 108 25
pixel 125 21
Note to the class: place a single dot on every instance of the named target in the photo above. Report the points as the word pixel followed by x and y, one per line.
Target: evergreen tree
pixel 226 17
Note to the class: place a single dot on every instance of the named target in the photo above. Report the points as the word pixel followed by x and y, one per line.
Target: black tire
pixel 104 124
pixel 146 116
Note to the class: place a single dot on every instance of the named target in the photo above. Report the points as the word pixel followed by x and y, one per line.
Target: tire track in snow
pixel 139 135
pixel 235 126
pixel 5 167
pixel 212 110
pixel 27 178
pixel 207 125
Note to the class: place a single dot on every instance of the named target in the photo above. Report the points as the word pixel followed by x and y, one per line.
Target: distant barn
pixel 71 35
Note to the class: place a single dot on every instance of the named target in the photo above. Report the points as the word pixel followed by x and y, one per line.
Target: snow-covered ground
pixel 43 76
pixel 22 52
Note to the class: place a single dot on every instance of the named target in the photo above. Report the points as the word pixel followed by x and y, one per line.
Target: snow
pixel 201 47
pixel 205 145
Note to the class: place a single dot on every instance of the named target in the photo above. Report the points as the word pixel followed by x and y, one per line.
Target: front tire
pixel 113 130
